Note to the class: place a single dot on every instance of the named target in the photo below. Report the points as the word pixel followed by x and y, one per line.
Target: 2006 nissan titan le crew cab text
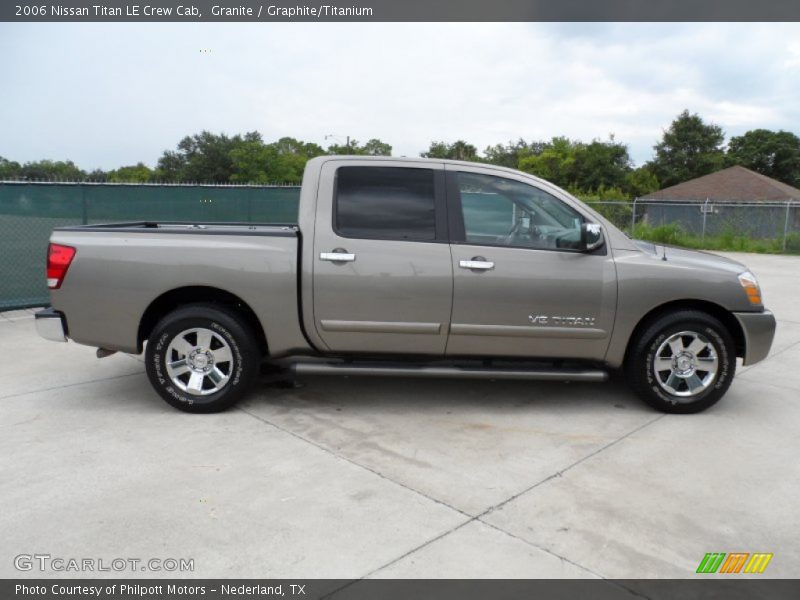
pixel 408 267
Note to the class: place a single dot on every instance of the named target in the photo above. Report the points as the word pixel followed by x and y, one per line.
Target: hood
pixel 691 258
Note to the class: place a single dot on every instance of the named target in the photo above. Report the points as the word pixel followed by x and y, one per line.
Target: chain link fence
pixel 735 226
pixel 30 211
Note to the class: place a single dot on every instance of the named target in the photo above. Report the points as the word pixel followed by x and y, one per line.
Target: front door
pixel 521 287
pixel 382 275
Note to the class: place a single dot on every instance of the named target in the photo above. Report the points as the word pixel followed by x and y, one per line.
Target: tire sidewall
pixel 722 379
pixel 639 363
pixel 220 323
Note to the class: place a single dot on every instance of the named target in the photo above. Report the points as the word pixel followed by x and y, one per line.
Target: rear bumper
pixel 51 325
pixel 759 330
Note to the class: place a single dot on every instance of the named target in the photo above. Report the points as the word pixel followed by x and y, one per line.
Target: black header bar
pixel 700 588
pixel 399 10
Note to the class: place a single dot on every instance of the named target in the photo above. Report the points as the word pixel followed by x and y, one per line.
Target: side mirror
pixel 591 237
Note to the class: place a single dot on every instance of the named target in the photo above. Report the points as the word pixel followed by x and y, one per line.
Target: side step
pixel 375 370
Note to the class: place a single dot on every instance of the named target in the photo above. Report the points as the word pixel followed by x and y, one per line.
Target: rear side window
pixel 388 203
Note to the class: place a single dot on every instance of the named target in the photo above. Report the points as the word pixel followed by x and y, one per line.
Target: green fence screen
pixel 30 211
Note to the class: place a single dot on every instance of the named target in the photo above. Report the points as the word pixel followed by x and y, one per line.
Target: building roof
pixel 734 184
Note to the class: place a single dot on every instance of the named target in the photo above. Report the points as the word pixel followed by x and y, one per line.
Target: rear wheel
pixel 201 358
pixel 683 362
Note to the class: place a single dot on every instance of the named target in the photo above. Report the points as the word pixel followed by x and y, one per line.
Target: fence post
pixel 786 224
pixel 705 212
pixel 85 209
pixel 633 215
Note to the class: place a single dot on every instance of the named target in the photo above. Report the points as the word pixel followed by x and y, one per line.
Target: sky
pixel 111 94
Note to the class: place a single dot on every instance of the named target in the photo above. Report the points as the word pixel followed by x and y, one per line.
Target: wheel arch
pixel 178 297
pixel 723 315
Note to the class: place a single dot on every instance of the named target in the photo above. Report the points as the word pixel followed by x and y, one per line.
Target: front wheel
pixel 201 358
pixel 683 362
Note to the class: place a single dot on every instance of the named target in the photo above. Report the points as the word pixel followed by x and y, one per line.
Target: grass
pixel 729 241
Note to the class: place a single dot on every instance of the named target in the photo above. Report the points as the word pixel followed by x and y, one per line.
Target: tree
pixel 510 155
pixel 344 149
pixel 52 170
pixel 97 175
pixel 289 158
pixel 689 148
pixel 289 145
pixel 239 159
pixel 9 169
pixel 47 170
pixel 580 167
pixel 138 173
pixel 170 166
pixel 279 162
pixel 459 150
pixel 251 161
pixel 204 157
pixel 373 147
pixel 555 162
pixel 601 165
pixel 772 153
pixel 640 181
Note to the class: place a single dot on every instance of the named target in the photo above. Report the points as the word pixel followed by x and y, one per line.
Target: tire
pixel 202 358
pixel 681 363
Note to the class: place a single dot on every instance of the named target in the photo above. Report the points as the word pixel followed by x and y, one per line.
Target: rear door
pixel 382 274
pixel 521 288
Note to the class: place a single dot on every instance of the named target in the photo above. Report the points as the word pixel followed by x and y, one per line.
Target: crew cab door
pixel 521 287
pixel 382 271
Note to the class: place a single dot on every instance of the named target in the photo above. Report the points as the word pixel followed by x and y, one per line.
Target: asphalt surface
pixel 351 478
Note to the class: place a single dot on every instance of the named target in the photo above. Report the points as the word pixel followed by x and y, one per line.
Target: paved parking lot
pixel 347 478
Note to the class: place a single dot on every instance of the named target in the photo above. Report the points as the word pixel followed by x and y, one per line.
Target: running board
pixel 308 368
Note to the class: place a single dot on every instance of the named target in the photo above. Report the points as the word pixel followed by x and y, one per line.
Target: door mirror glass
pixel 591 237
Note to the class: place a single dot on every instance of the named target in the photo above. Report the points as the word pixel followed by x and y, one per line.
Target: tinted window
pixel 392 203
pixel 506 212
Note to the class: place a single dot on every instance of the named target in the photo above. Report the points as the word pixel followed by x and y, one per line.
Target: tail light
pixel 58 260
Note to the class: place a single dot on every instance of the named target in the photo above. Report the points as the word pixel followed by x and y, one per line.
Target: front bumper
pixel 759 330
pixel 51 325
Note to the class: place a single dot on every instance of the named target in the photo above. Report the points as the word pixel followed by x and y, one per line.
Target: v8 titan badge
pixel 562 321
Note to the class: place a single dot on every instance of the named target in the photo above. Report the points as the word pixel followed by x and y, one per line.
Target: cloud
pixel 112 94
pixel 793 58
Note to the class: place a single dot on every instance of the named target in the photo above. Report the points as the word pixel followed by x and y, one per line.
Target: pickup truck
pixel 408 267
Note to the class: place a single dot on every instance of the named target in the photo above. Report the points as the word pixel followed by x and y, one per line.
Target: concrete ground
pixel 351 478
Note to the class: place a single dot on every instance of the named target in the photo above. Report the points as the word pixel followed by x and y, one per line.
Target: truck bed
pixel 121 270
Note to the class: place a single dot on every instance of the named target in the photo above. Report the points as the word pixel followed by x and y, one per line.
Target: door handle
pixel 337 256
pixel 476 263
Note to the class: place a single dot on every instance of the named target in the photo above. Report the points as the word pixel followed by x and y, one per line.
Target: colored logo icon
pixel 734 562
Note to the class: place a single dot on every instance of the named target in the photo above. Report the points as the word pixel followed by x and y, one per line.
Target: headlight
pixel 750 285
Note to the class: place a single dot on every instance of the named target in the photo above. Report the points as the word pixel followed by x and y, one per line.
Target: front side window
pixel 389 203
pixel 504 212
